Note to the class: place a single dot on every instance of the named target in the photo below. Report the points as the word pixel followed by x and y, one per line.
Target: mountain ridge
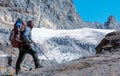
pixel 49 14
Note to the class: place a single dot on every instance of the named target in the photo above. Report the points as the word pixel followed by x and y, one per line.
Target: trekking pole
pixel 41 51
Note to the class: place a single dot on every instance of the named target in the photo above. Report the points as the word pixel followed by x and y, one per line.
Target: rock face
pixel 110 43
pixel 53 14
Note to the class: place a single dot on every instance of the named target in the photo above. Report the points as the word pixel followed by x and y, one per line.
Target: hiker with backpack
pixel 16 32
pixel 26 45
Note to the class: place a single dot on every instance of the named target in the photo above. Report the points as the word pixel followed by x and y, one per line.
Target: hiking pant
pixel 22 55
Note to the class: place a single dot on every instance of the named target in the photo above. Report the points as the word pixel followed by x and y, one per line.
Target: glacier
pixel 66 45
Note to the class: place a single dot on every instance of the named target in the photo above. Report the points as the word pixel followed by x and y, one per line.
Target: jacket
pixel 27 37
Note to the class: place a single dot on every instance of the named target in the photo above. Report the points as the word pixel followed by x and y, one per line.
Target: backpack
pixel 15 35
pixel 19 23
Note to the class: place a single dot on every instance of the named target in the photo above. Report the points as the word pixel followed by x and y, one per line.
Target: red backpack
pixel 15 35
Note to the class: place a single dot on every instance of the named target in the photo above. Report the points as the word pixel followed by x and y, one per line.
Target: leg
pixel 35 58
pixel 19 60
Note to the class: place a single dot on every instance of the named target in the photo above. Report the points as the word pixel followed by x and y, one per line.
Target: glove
pixel 29 42
pixel 29 45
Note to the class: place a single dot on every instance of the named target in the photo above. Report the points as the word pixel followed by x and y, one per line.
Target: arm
pixel 27 35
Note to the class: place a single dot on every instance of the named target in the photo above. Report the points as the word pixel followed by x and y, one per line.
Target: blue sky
pixel 97 10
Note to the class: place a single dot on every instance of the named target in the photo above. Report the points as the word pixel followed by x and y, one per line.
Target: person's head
pixel 18 19
pixel 30 24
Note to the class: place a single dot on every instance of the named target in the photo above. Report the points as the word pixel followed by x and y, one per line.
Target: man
pixel 27 47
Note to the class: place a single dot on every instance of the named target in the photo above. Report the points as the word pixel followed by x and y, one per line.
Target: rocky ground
pixel 104 64
pixel 107 64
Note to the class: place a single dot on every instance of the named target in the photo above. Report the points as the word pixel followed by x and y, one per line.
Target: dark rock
pixel 110 43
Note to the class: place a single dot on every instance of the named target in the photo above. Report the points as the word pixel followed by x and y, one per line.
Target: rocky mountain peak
pixel 112 20
pixel 111 23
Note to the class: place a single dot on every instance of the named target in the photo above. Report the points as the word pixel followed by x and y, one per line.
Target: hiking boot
pixel 17 71
pixel 38 66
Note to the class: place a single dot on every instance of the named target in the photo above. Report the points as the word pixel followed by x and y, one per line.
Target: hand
pixel 29 45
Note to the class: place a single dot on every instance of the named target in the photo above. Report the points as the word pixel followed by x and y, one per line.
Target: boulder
pixel 110 43
pixel 5 65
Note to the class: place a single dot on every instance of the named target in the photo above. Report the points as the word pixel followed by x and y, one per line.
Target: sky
pixel 97 10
